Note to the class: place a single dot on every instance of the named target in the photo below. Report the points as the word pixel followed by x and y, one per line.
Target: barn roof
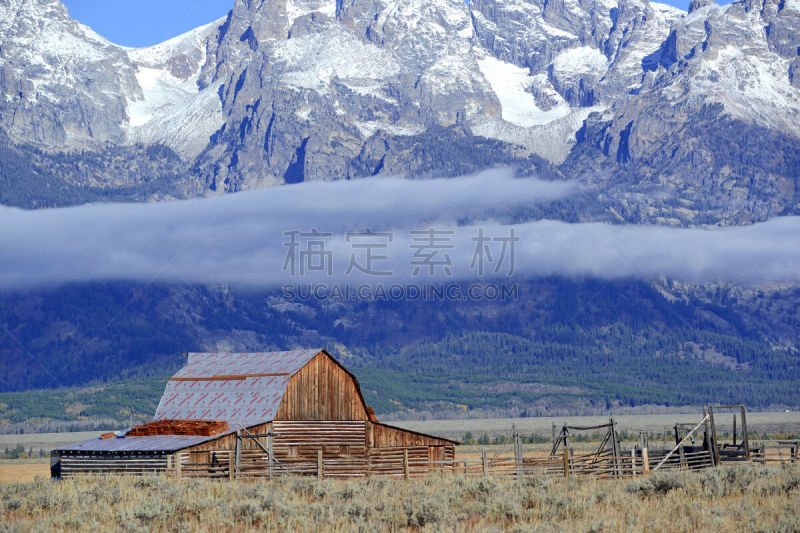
pixel 243 389
pixel 160 443
pixel 220 365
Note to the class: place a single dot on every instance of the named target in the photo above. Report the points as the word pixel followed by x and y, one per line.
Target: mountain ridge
pixel 285 91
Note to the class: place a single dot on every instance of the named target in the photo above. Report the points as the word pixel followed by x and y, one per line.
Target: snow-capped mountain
pixel 171 108
pixel 62 84
pixel 617 92
pixel 65 87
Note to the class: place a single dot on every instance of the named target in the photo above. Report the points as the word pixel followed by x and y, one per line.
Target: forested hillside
pixel 581 346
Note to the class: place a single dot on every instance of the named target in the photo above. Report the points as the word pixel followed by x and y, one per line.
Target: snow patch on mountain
pixel 534 114
pixel 580 60
pixel 172 109
pixel 512 85
pixel 312 61
pixel 751 87
pixel 173 112
pixel 552 31
pixel 299 8
pixel 552 141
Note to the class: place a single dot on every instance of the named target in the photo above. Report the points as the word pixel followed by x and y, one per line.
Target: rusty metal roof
pixel 178 427
pixel 243 389
pixel 161 443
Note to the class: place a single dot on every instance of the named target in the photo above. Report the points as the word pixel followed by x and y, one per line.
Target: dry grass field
pixel 23 471
pixel 45 441
pixel 741 498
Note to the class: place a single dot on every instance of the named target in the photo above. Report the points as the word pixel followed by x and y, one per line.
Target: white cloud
pixel 240 238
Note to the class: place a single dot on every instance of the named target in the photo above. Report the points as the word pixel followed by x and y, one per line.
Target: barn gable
pixel 323 390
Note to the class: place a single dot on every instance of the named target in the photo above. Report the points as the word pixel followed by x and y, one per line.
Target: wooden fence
pixel 410 462
pixel 782 451
pixel 402 464
pixel 407 463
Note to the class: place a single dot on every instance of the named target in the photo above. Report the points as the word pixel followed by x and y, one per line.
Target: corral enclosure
pixel 259 413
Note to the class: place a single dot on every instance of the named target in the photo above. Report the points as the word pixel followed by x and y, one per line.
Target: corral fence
pixel 410 463
pixel 256 464
pixel 608 461
pixel 780 452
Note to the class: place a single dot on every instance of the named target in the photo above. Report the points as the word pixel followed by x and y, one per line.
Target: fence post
pixel 319 464
pixel 485 462
pixel 178 466
pixel 238 448
pixel 269 451
pixel 518 453
pixel 633 462
pixel 745 438
pixel 615 446
pixel 405 464
pixel 646 461
pixel 715 446
pixel 566 461
pixel 231 464
pixel 684 465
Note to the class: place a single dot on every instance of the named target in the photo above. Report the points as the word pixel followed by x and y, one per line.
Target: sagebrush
pixel 748 497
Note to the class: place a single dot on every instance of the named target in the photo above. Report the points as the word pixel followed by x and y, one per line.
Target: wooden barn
pixel 260 414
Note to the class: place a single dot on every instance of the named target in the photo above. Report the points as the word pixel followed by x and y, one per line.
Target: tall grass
pixel 746 498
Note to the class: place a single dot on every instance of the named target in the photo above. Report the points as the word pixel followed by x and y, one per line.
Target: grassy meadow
pixel 739 498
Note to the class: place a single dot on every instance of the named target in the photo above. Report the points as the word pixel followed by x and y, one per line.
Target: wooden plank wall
pixel 345 448
pixel 228 442
pixel 117 464
pixel 322 390
pixel 382 436
pixel 298 440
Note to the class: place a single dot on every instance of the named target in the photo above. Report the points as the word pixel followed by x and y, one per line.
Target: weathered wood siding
pixel 383 436
pixel 349 448
pixel 298 441
pixel 78 463
pixel 322 390
pixel 201 453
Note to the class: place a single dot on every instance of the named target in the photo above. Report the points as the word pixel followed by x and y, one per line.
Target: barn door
pixel 435 453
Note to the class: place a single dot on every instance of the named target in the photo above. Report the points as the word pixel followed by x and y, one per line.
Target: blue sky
pixel 146 22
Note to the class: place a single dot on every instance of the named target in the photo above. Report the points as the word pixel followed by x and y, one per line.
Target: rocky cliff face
pixel 715 124
pixel 348 74
pixel 62 85
pixel 629 95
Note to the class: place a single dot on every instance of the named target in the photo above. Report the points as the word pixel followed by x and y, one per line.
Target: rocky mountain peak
pixel 62 82
pixel 694 5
